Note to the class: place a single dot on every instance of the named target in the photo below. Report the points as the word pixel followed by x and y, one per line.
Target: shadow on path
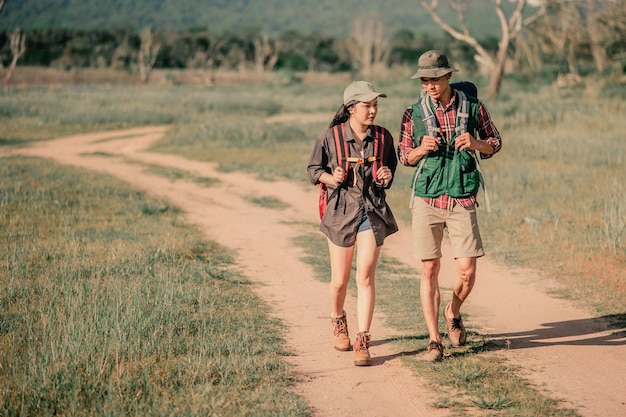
pixel 600 331
pixel 379 360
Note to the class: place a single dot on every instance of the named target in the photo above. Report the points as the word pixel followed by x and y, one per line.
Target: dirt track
pixel 562 349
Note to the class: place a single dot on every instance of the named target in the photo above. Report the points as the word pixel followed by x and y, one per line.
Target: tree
pixel 17 41
pixel 597 35
pixel 206 57
pixel 2 4
pixel 266 52
pixel 148 50
pixel 577 31
pixel 369 45
pixel 302 52
pixel 613 19
pixel 510 28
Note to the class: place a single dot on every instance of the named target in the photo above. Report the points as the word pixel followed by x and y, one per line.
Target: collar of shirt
pixel 451 103
pixel 348 134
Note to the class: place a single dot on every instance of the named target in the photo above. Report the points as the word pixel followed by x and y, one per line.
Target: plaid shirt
pixel 446 118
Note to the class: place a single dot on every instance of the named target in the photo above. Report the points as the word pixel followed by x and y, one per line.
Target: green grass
pixel 268 202
pixel 110 305
pixel 175 174
pixel 45 113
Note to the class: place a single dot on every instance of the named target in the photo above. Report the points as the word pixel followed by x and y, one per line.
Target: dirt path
pixel 561 348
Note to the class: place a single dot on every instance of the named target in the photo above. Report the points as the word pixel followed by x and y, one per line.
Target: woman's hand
pixel 339 175
pixel 384 176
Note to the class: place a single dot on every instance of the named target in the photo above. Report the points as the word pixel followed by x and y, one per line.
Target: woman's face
pixel 364 112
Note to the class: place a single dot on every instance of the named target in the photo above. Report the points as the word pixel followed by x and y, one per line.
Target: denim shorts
pixel 365 223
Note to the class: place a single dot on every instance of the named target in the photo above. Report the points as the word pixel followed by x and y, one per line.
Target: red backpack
pixel 342 151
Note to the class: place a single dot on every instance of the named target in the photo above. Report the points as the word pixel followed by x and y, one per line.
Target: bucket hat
pixel 432 64
pixel 360 91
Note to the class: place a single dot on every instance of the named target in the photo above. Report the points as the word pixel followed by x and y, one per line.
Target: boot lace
pixel 362 341
pixel 456 324
pixel 340 325
pixel 435 346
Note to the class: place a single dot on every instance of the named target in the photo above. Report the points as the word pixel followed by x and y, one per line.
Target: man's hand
pixel 465 142
pixel 429 143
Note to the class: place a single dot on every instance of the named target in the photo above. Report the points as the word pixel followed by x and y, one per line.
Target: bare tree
pixel 509 28
pixel 147 55
pixel 613 19
pixel 17 41
pixel 266 52
pixel 369 45
pixel 306 47
pixel 598 34
pixel 209 61
pixel 565 35
pixel 572 29
pixel 1 7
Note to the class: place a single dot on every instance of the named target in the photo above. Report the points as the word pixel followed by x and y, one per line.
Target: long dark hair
pixel 342 114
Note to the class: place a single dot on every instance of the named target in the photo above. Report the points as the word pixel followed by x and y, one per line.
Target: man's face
pixel 435 86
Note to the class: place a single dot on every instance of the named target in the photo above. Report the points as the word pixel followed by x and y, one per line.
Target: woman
pixel 357 213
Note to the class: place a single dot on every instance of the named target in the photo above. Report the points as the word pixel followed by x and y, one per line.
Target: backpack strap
pixel 379 149
pixel 462 115
pixel 341 149
pixel 341 146
pixel 343 160
pixel 346 160
pixel 424 123
pixel 467 121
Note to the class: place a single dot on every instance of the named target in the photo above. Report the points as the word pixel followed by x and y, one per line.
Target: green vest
pixel 446 170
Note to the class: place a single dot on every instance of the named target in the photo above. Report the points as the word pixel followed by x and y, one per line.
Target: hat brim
pixel 432 72
pixel 365 97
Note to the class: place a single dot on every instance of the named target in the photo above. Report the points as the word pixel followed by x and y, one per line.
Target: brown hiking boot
pixel 434 352
pixel 456 330
pixel 341 340
pixel 361 352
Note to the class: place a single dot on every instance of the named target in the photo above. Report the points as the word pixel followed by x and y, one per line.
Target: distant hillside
pixel 333 17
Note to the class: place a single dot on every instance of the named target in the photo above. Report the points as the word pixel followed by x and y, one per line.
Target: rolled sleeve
pixel 319 159
pixel 391 160
pixel 488 131
pixel 406 143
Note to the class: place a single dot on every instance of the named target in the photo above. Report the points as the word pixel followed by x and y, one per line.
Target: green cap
pixel 433 64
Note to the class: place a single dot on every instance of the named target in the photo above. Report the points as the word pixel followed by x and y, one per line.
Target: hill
pixel 271 16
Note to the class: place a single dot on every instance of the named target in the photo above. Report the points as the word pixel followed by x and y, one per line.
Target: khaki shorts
pixel 429 223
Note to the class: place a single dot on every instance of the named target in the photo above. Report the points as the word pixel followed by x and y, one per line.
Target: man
pixel 438 136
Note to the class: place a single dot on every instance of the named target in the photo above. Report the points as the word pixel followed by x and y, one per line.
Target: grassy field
pixel 95 275
pixel 111 306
